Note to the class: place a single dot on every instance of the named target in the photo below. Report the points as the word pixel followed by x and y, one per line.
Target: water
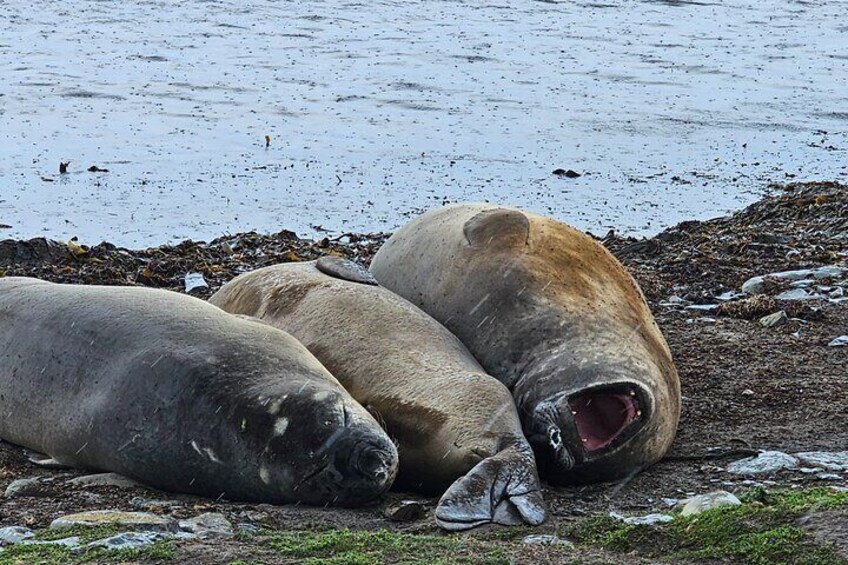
pixel 671 110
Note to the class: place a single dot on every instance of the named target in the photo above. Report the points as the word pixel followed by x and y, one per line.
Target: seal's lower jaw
pixel 605 417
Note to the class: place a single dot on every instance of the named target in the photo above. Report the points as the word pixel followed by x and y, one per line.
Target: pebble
pixel 14 534
pixel 547 539
pixel 832 461
pixel 136 520
pixel 129 540
pixel 194 281
pixel 773 320
pixel 104 480
pixel 756 285
pixel 649 520
pixel 405 511
pixel 208 525
pixel 25 487
pixel 765 463
pixel 703 502
pixel 799 294
pixel 840 341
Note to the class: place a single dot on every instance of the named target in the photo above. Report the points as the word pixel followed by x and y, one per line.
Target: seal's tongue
pixel 600 417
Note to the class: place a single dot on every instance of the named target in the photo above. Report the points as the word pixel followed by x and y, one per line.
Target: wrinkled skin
pixel 551 314
pixel 173 392
pixel 456 427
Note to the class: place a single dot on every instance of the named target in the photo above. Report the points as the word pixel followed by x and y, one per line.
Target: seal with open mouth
pixel 554 316
pixel 175 393
pixel 456 427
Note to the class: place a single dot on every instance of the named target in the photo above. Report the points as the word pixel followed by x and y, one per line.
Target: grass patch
pixel 29 554
pixel 347 547
pixel 761 531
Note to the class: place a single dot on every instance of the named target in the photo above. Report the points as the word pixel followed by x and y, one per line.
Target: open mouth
pixel 603 416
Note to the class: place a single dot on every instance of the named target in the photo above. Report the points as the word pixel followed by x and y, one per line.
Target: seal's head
pixel 608 421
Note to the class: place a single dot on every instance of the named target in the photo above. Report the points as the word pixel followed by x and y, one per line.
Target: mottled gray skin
pixel 455 426
pixel 175 393
pixel 554 316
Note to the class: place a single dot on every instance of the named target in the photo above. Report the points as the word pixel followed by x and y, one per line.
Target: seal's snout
pixel 367 467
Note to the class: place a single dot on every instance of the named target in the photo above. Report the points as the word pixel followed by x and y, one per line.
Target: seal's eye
pixel 556 438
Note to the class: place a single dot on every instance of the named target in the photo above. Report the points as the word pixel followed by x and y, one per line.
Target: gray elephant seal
pixel 175 393
pixel 554 316
pixel 456 427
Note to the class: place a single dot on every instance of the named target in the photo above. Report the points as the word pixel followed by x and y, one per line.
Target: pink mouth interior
pixel 601 417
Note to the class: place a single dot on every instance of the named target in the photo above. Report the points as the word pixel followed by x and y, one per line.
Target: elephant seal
pixel 553 315
pixel 456 427
pixel 171 391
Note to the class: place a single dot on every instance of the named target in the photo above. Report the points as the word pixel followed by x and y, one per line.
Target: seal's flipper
pixel 503 489
pixel 345 270
pixel 501 228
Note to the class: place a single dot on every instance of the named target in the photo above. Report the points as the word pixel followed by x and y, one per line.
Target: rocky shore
pixel 755 309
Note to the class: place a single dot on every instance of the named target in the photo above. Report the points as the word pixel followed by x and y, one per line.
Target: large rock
pixel 104 480
pixel 830 460
pixel 757 285
pixel 26 487
pixel 130 520
pixel 208 525
pixel 765 463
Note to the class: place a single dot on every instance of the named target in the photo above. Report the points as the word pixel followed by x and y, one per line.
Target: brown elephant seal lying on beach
pixel 456 427
pixel 175 393
pixel 553 315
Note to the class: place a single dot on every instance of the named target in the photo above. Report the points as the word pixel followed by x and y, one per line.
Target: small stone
pixel 405 511
pixel 840 341
pixel 194 281
pixel 649 520
pixel 703 307
pixel 208 525
pixel 14 534
pixel 748 392
pixel 765 463
pixel 757 285
pixel 25 487
pixel 571 174
pixel 698 504
pixel 104 480
pixel 136 520
pixel 547 539
pixel 829 477
pixel 773 320
pixel 71 542
pixel 798 294
pixel 129 540
pixel 832 461
pixel 152 504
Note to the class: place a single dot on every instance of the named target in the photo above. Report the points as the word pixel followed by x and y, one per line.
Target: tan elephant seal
pixel 175 393
pixel 456 427
pixel 554 316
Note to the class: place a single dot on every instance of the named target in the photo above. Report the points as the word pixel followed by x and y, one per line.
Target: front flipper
pixel 503 489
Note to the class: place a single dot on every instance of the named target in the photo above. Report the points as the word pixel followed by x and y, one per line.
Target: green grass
pixel 761 531
pixel 57 555
pixel 347 547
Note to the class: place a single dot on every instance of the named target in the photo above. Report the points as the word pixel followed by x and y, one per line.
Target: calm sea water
pixel 669 109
